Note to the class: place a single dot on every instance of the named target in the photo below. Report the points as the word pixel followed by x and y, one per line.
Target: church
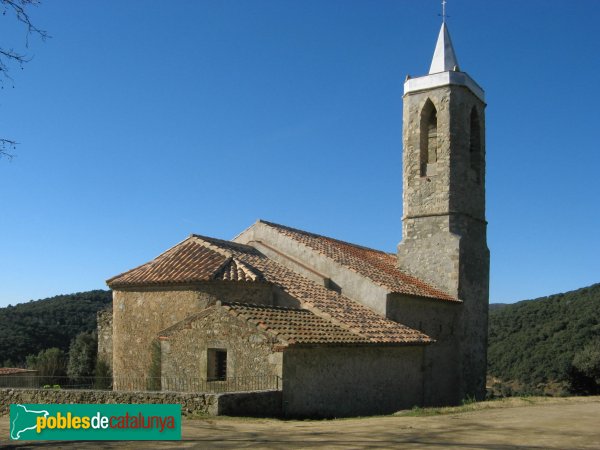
pixel 344 330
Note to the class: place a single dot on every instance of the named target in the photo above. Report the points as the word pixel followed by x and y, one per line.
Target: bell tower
pixel 443 225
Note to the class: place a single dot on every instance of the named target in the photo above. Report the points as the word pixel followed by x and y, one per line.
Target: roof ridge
pixel 149 262
pixel 297 230
pixel 371 258
pixel 214 242
pixel 330 315
pixel 257 306
pixel 247 267
pixel 221 268
pixel 249 271
pixel 205 241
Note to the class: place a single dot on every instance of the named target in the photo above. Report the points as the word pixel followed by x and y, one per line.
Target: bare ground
pixel 533 423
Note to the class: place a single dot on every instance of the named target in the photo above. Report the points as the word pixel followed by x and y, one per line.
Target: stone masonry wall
pixel 250 354
pixel 441 364
pixel 138 316
pixel 259 404
pixel 444 230
pixel 430 251
pixel 452 186
pixel 290 252
pixel 351 381
pixel 104 330
pixel 430 194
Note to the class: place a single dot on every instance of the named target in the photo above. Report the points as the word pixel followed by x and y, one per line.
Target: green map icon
pixel 91 422
pixel 23 421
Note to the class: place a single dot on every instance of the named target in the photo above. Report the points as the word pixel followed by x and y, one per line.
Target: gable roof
pixel 200 258
pixel 376 265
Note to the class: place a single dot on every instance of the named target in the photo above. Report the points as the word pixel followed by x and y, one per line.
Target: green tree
pixel 533 344
pixel 49 363
pixel 82 356
pixel 103 375
pixel 28 328
pixel 585 371
pixel 587 361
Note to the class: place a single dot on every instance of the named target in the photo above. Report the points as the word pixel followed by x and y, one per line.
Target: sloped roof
pixel 376 265
pixel 15 371
pixel 236 270
pixel 187 262
pixel 200 258
pixel 294 326
pixel 288 326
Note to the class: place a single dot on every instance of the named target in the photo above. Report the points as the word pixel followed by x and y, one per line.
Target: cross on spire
pixel 444 11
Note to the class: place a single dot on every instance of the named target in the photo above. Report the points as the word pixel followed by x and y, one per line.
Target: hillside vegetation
pixel 495 306
pixel 29 328
pixel 535 342
pixel 532 343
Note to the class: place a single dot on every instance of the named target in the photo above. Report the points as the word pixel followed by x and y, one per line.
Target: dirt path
pixel 555 424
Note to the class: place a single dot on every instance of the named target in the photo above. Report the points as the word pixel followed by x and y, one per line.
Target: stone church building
pixel 348 330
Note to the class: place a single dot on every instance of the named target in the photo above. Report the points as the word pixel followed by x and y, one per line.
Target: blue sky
pixel 142 122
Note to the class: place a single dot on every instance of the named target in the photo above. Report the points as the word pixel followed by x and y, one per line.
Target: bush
pixel 103 375
pixel 584 375
pixel 82 356
pixel 49 363
pixel 533 344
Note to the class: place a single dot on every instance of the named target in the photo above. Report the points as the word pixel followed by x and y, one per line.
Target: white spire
pixel 444 58
pixel 444 68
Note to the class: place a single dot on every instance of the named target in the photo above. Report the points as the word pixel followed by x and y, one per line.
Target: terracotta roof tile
pixel 324 302
pixel 374 264
pixel 200 258
pixel 15 370
pixel 289 326
pixel 294 326
pixel 236 270
pixel 190 261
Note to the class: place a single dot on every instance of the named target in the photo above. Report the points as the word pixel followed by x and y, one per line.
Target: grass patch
pixel 418 411
pixel 469 405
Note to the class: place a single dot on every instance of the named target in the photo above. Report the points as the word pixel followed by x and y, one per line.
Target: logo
pixel 95 422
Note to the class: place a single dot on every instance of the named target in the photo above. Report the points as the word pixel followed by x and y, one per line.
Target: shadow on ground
pixel 569 423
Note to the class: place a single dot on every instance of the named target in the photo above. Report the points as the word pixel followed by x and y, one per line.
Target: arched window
pixel 429 140
pixel 475 146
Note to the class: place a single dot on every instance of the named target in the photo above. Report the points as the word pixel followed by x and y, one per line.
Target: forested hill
pixel 535 341
pixel 27 328
pixel 495 306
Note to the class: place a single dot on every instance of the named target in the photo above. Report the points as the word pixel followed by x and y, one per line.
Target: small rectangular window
pixel 217 365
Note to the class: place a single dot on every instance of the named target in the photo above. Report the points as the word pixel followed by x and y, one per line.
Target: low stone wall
pixel 256 404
